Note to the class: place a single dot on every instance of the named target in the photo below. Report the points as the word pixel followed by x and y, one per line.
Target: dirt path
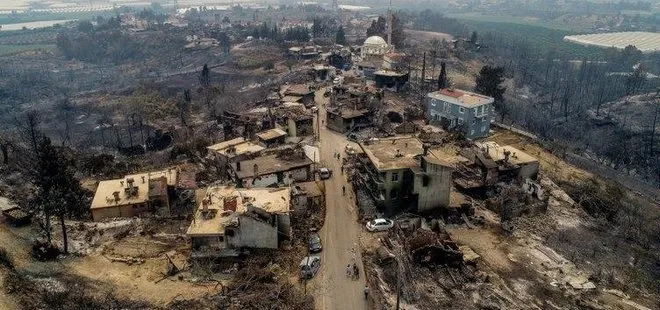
pixel 332 288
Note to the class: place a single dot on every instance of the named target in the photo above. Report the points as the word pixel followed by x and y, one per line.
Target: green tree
pixel 58 191
pixel 398 36
pixel 489 83
pixel 340 38
pixel 442 78
pixel 474 37
pixel 205 77
pixel 378 27
pixel 85 26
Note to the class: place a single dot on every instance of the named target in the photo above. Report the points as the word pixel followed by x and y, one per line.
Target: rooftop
pixel 390 73
pixel 347 113
pixel 393 153
pixel 105 192
pixel 290 98
pixel 235 147
pixel 225 203
pixel 271 134
pixel 460 97
pixel 310 189
pixel 172 175
pixel 269 164
pixel 298 90
pixel 517 157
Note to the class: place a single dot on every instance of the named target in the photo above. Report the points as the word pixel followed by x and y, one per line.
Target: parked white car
pixel 350 150
pixel 379 225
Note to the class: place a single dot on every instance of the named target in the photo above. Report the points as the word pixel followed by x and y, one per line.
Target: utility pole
pixel 423 80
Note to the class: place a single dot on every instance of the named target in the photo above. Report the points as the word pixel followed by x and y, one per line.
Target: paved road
pixel 333 289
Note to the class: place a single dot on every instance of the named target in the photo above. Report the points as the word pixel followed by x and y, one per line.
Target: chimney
pixel 142 179
pixel 129 182
pixel 205 204
pixel 426 149
pixel 256 170
pixel 116 195
pixel 238 166
pixel 506 156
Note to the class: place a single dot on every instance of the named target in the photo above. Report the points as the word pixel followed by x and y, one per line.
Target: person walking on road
pixel 349 270
pixel 343 190
pixel 366 292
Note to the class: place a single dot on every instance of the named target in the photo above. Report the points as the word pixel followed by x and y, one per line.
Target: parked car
pixel 314 243
pixel 350 150
pixel 325 173
pixel 309 266
pixel 379 225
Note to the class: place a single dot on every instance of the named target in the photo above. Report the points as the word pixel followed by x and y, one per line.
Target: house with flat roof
pixel 344 119
pixel 271 137
pixel 229 219
pixel 488 163
pixel 305 92
pixel 271 170
pixel 134 195
pixel 461 110
pixel 402 173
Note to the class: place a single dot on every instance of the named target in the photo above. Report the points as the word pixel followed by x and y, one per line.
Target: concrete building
pixel 390 79
pixel 460 110
pixel 401 173
pixel 306 196
pixel 300 125
pixel 271 170
pixel 344 119
pixel 488 163
pixel 527 167
pixel 235 150
pixel 271 137
pixel 134 195
pixel 305 92
pixel 230 219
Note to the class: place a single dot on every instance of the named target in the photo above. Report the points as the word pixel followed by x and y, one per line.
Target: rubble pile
pixel 429 249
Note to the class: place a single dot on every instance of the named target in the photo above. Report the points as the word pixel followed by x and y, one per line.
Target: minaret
pixel 389 24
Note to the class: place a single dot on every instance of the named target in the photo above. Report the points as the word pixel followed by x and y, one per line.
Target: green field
pixel 540 39
pixel 12 49
pixel 476 16
pixel 46 16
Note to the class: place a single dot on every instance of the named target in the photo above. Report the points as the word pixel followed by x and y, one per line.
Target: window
pixel 472 132
pixel 474 121
pixel 483 128
pixel 461 110
pixel 480 110
pixel 394 194
pixel 395 176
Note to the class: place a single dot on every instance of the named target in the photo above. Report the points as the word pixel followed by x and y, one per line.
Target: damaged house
pixel 134 195
pixel 488 163
pixel 272 170
pixel 230 219
pixel 402 173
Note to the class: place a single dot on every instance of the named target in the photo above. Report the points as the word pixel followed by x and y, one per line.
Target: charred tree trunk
pixel 65 240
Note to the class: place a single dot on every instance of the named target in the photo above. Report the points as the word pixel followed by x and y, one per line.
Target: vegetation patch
pixel 9 49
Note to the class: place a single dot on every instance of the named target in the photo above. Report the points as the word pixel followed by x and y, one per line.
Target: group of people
pixel 352 271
